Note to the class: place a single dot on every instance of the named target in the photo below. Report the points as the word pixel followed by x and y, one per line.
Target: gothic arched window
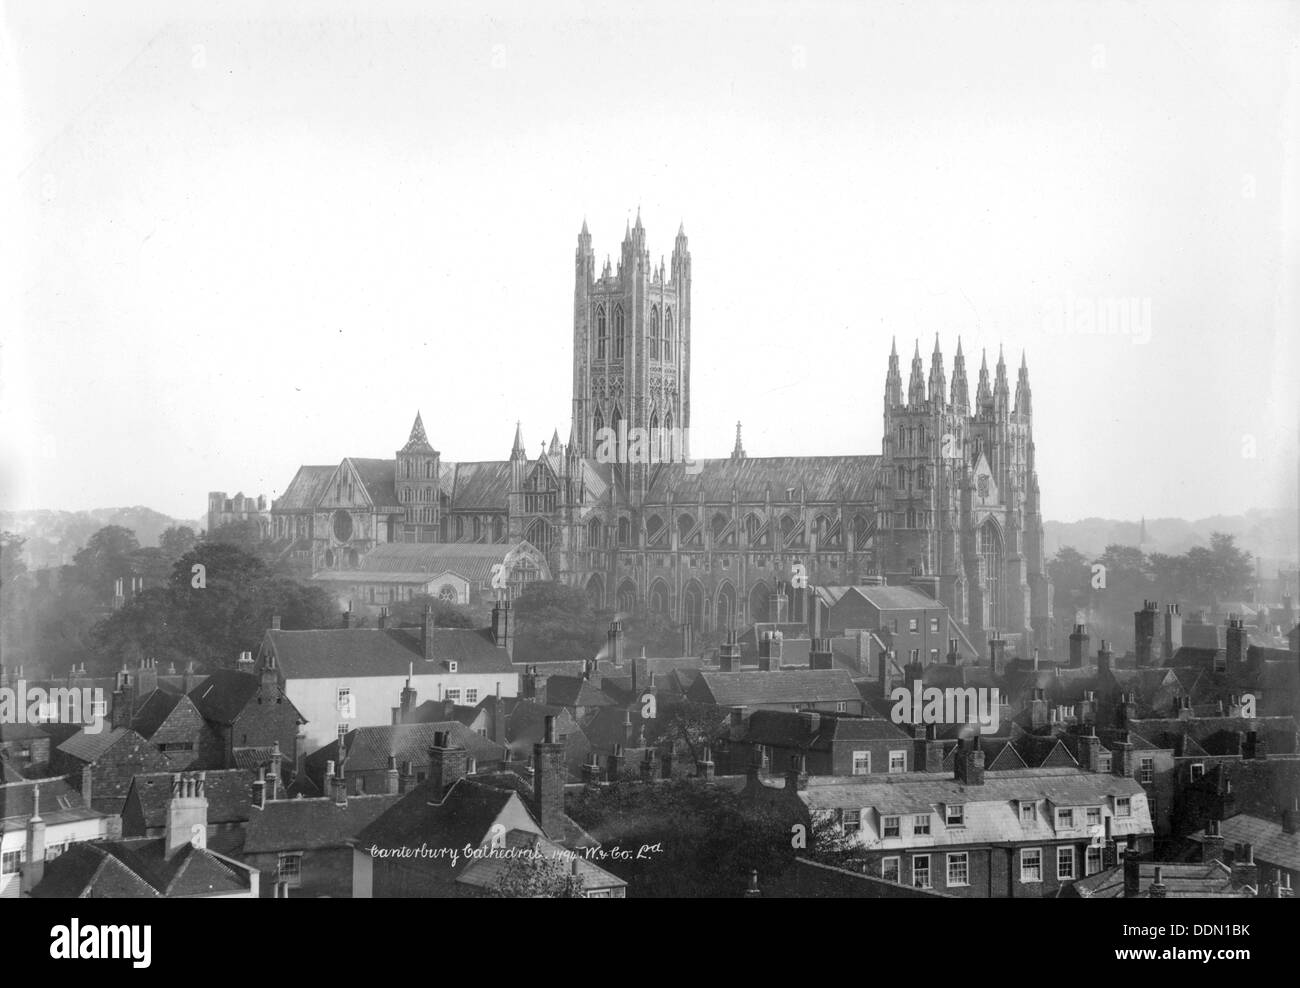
pixel 668 334
pixel 600 333
pixel 654 332
pixel 618 332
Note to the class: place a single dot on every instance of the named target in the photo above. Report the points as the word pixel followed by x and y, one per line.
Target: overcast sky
pixel 235 244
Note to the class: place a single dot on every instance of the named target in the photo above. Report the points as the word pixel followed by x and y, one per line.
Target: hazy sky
pixel 236 243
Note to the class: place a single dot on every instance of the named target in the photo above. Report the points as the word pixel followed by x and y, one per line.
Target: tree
pixel 105 558
pixel 1232 574
pixel 688 838
pixel 538 878
pixel 555 622
pixel 445 614
pixel 1070 572
pixel 176 541
pixel 688 728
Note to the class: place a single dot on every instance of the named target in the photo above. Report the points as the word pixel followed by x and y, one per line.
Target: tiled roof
pixel 820 478
pixel 343 652
pixel 135 868
pixel 893 598
pixel 89 747
pixel 743 689
pixel 306 488
pixel 228 791
pixel 59 803
pixel 224 694
pixel 310 824
pixel 1272 844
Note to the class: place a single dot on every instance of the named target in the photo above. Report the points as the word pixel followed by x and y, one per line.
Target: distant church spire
pixel 555 442
pixel 517 450
pixel 893 379
pixel 738 451
pixel 417 431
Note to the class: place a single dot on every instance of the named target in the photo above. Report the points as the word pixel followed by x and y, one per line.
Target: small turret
pixel 1024 398
pixel 983 393
pixel 960 391
pixel 893 380
pixel 938 383
pixel 517 450
pixel 738 451
pixel 1001 390
pixel 916 385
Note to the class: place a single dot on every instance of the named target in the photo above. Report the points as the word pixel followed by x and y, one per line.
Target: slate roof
pixel 1272 844
pixel 743 689
pixel 224 695
pixel 306 488
pixel 135 868
pixel 228 791
pixel 1211 880
pixel 378 478
pixel 820 478
pixel 22 732
pixel 481 485
pixel 345 652
pixel 787 729
pixel 462 816
pixel 368 748
pixel 60 803
pixel 890 598
pixel 153 710
pixel 991 811
pixel 574 691
pixel 471 560
pixel 311 824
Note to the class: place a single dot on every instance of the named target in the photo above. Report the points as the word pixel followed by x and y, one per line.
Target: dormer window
pixel 1027 815
pixel 452 666
pixel 1065 818
pixel 1123 806
pixel 955 815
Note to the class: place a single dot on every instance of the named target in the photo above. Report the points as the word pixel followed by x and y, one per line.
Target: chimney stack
pixel 34 868
pixel 1089 749
pixel 1144 632
pixel 969 762
pixel 259 789
pixel 391 776
pixel 728 655
pixel 1079 646
pixel 616 642
pixel 503 632
pixel 769 650
pixel 820 655
pixel 275 622
pixel 1173 636
pixel 1212 843
pixel 447 764
pixel 187 813
pixel 1104 658
pixel 426 633
pixel 997 654
pixel 549 773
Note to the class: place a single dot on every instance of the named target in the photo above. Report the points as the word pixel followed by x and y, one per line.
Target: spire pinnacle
pixel 893 346
pixel 418 434
pixel 738 451
pixel 555 442
pixel 518 448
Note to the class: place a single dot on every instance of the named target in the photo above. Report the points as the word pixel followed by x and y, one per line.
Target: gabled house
pixel 103 764
pixel 39 820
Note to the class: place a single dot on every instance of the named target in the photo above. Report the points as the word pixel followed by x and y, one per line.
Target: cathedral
pixel 950 505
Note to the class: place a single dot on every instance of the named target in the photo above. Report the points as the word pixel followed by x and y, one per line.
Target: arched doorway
pixel 693 609
pixel 660 599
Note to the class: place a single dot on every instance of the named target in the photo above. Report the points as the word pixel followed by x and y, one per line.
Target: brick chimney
pixel 1109 852
pixel 1212 842
pixel 614 763
pixel 259 789
pixel 1237 643
pixel 123 700
pixel 997 654
pixel 616 642
pixel 1079 646
pixel 549 773
pixel 769 650
pixel 930 750
pixel 447 764
pixel 187 813
pixel 1244 869
pixel 820 655
pixel 969 763
pixel 146 680
pixel 1089 749
pixel 1038 708
pixel 953 653
pixel 392 778
pixel 1104 658
pixel 1158 888
pixel 728 655
pixel 1132 869
pixel 1185 711
pixel 503 632
pixel 1144 632
pixel 1122 756
pixel 1173 636
pixel 274 776
pixel 426 633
